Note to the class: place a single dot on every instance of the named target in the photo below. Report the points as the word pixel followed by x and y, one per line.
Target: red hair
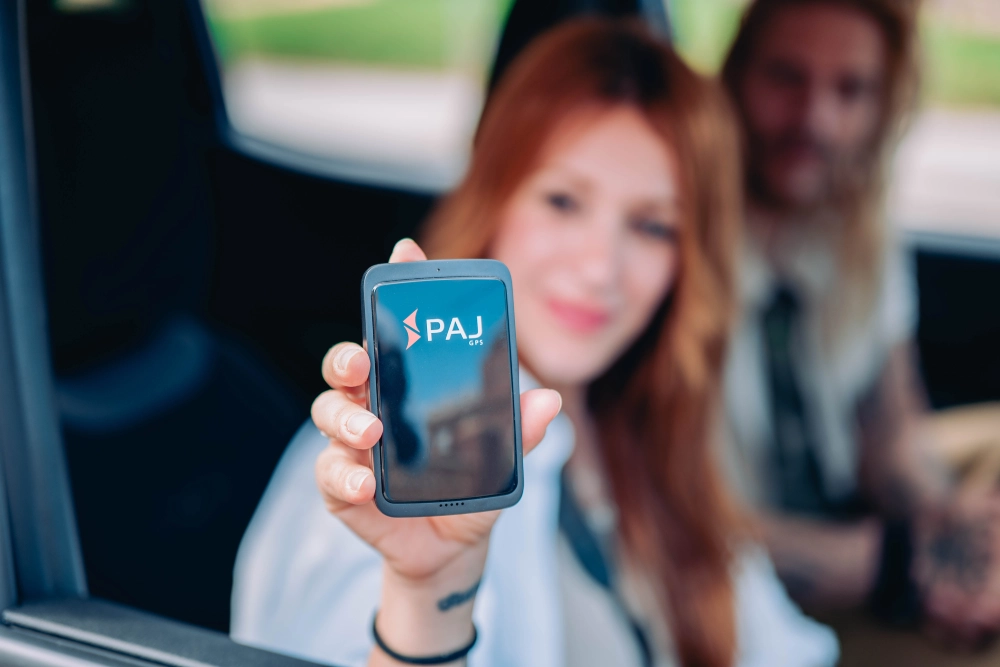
pixel 657 405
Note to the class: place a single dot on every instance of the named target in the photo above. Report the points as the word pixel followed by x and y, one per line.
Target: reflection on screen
pixel 445 392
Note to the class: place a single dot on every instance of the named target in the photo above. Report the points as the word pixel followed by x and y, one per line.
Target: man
pixel 823 396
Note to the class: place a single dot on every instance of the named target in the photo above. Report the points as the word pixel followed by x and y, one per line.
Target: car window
pixel 387 87
pixel 946 175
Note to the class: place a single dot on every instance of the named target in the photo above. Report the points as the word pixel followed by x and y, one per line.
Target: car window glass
pixel 946 175
pixel 372 86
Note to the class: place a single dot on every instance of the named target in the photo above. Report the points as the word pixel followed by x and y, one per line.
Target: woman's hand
pixel 432 564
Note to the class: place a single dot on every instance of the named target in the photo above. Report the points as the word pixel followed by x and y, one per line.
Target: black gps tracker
pixel 443 381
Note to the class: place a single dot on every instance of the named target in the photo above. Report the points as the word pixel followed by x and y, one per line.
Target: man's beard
pixel 840 181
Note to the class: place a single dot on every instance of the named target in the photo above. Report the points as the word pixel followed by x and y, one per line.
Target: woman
pixel 604 175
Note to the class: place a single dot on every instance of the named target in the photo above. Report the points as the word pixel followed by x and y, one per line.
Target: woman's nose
pixel 599 252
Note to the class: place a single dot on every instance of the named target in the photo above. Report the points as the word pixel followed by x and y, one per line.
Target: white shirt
pixel 835 367
pixel 597 631
pixel 305 585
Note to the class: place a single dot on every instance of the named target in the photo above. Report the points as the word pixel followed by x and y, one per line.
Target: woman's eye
pixel 562 202
pixel 655 229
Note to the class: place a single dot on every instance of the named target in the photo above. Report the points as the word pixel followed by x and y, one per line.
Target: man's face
pixel 811 93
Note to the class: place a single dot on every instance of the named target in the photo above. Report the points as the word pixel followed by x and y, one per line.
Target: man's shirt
pixel 802 358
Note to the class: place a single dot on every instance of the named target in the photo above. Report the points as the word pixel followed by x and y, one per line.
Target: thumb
pixel 538 408
pixel 406 250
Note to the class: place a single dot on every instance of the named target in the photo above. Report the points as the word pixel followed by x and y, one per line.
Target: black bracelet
pixel 442 659
pixel 895 597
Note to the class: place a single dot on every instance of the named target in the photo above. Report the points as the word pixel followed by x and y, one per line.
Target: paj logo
pixel 436 326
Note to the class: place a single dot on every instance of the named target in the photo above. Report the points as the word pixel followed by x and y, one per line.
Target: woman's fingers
pixel 340 470
pixel 342 480
pixel 407 250
pixel 343 420
pixel 538 408
pixel 346 366
pixel 348 489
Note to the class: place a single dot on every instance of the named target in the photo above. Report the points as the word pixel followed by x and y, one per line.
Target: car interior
pixel 180 291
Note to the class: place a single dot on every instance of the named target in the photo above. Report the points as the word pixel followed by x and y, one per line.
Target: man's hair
pixel 861 202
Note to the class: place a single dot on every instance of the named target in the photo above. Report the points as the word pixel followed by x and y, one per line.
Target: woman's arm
pixel 431 564
pixel 428 617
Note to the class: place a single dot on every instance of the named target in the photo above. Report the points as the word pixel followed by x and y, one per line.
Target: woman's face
pixel 591 242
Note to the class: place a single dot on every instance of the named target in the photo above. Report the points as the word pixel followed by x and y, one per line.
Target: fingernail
pixel 358 422
pixel 402 240
pixel 559 398
pixel 323 433
pixel 344 357
pixel 356 479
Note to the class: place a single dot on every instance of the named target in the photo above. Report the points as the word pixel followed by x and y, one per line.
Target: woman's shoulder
pixel 299 569
pixel 292 507
pixel 291 524
pixel 305 584
pixel 772 629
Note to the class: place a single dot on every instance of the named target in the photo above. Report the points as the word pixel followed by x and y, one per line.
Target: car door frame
pixel 48 619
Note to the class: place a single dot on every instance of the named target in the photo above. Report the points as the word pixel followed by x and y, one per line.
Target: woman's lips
pixel 578 318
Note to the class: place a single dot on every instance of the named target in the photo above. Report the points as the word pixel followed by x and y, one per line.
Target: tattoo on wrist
pixel 459 598
pixel 961 553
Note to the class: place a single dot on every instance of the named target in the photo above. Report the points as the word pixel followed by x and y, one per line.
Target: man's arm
pixel 830 565
pixel 824 565
pixel 899 470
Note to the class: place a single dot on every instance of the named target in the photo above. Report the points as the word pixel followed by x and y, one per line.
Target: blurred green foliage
pixel 963 66
pixel 703 29
pixel 406 33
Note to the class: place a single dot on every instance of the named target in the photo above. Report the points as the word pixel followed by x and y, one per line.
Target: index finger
pixel 346 367
pixel 407 250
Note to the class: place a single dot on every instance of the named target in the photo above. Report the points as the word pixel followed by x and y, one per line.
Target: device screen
pixel 445 393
